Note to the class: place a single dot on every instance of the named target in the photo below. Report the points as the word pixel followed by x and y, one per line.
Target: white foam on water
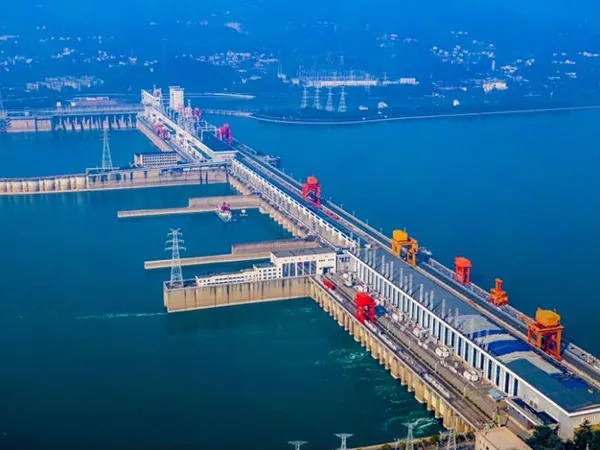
pixel 120 316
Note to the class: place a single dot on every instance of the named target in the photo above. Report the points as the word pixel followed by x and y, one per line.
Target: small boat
pixel 243 213
pixel 425 251
pixel 224 212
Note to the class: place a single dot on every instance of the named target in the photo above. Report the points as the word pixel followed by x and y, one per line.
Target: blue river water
pixel 90 357
pixel 518 195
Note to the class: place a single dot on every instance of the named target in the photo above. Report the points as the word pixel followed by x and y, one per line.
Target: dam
pixel 469 356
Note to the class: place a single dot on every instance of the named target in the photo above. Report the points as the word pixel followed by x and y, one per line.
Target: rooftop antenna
pixel 106 158
pixel 317 101
pixel 175 241
pixel 342 106
pixel 297 444
pixel 304 102
pixel 343 437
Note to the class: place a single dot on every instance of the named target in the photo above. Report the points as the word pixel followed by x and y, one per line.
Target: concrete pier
pixel 197 205
pixel 239 252
pixel 195 297
pixel 244 201
pixel 117 179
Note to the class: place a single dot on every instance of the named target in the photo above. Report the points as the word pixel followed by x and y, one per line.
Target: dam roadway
pixel 506 317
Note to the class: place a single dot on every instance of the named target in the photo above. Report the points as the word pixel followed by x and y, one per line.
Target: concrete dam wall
pixel 194 297
pixel 121 179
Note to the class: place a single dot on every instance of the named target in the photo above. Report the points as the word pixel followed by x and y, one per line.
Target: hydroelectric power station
pixel 472 358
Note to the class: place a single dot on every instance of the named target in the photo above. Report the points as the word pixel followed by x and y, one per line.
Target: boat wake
pixel 120 316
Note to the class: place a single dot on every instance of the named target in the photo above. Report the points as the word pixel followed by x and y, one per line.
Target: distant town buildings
pixel 489 86
pixel 60 83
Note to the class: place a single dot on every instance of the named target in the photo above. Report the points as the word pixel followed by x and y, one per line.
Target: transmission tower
pixel 343 437
pixel 410 441
pixel 106 158
pixel 304 102
pixel 451 443
pixel 342 106
pixel 297 444
pixel 174 245
pixel 317 101
pixel 329 105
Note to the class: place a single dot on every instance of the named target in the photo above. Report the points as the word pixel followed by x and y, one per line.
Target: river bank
pixel 291 121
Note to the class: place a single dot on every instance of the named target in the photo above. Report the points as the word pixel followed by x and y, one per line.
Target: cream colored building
pixel 500 438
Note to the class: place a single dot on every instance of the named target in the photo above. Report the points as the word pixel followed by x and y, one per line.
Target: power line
pixel 175 247
pixel 342 106
pixel 304 102
pixel 329 105
pixel 106 158
pixel 297 444
pixel 317 100
pixel 410 442
pixel 343 437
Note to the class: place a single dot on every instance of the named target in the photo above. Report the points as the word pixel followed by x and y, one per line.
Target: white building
pixel 306 261
pixel 283 264
pixel 175 97
pixel 156 159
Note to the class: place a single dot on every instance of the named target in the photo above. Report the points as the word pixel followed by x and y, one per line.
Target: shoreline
pixel 423 117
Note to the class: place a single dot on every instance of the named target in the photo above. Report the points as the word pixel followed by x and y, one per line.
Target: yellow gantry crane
pixel 400 239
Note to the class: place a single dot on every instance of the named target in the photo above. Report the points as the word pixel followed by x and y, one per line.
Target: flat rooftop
pixel 501 438
pixel 566 390
pixel 157 152
pixel 215 144
pixel 302 252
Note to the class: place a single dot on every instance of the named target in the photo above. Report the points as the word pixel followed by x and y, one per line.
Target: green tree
pixel 595 445
pixel 544 438
pixel 385 447
pixel 434 439
pixel 584 436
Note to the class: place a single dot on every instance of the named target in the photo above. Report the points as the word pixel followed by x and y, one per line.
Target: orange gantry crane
pixel 400 239
pixel 545 332
pixel 498 296
pixel 462 270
